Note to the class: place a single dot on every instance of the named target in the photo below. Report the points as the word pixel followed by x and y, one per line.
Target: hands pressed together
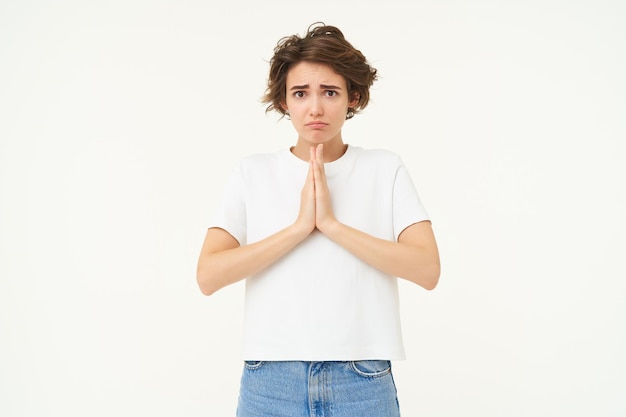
pixel 414 256
pixel 315 204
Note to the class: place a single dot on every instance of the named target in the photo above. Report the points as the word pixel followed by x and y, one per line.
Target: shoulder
pixel 378 157
pixel 261 160
pixel 260 168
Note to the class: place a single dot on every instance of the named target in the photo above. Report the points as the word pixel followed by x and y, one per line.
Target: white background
pixel 120 121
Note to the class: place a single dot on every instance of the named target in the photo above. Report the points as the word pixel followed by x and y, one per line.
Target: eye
pixel 331 93
pixel 298 94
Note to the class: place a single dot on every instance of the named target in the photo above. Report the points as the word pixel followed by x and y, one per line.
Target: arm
pixel 414 256
pixel 223 261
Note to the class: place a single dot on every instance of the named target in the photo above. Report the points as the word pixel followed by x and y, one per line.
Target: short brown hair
pixel 325 45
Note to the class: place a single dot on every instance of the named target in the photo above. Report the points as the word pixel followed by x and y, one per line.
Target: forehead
pixel 313 74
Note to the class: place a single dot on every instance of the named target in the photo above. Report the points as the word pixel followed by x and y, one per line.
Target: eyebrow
pixel 322 86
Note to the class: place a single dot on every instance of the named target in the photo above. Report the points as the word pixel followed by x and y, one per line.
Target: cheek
pixel 294 105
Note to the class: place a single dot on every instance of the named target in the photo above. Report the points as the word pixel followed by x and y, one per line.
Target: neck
pixel 332 150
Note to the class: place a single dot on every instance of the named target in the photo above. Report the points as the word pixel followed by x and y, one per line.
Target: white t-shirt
pixel 319 302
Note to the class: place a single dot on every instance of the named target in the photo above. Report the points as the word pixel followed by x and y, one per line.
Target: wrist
pixel 300 230
pixel 330 228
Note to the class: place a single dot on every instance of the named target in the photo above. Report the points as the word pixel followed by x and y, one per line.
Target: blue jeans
pixel 318 389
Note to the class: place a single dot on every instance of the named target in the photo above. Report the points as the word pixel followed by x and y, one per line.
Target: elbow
pixel 431 273
pixel 206 290
pixel 428 277
pixel 431 283
pixel 204 281
pixel 433 277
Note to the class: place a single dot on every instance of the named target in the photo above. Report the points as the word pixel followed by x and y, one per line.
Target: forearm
pixel 219 269
pixel 416 262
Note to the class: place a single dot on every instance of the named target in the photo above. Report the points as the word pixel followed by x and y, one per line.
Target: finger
pixel 319 163
pixel 318 167
pixel 320 153
pixel 311 177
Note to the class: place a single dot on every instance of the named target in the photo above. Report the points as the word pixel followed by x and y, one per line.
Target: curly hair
pixel 324 45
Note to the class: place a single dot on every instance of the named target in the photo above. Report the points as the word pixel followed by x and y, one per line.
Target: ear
pixel 283 105
pixel 355 97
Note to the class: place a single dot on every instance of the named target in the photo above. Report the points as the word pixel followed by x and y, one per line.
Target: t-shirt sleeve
pixel 407 206
pixel 230 214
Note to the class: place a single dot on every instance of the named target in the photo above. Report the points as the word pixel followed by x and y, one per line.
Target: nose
pixel 316 106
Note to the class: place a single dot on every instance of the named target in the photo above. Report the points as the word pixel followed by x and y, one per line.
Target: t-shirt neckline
pixel 329 167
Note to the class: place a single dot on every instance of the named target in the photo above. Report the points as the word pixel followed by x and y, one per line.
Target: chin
pixel 319 138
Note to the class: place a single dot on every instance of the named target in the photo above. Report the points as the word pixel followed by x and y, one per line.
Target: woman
pixel 320 231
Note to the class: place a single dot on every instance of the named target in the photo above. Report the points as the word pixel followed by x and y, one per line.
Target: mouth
pixel 316 124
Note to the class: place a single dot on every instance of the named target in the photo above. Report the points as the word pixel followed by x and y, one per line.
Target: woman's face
pixel 317 101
